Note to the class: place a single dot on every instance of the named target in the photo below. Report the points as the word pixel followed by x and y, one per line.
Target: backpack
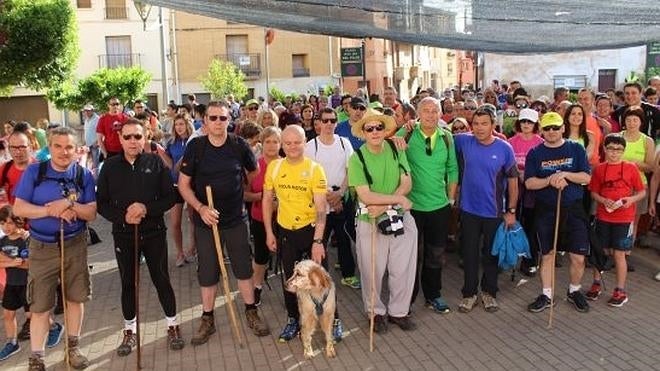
pixel 43 168
pixel 395 154
pixel 316 145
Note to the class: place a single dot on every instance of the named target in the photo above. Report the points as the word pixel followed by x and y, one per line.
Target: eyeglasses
pixel 615 149
pixel 329 121
pixel 114 103
pixel 132 136
pixel 17 148
pixel 458 128
pixel 552 127
pixel 216 118
pixel 361 108
pixel 253 108
pixel 427 142
pixel 370 129
pixel 521 106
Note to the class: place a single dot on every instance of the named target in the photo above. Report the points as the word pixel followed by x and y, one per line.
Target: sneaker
pixel 36 364
pixel 257 296
pixel 24 334
pixel 438 305
pixel 54 335
pixel 489 302
pixel 618 298
pixel 127 345
pixel 404 323
pixel 337 330
pixel 380 324
pixel 594 291
pixel 541 303
pixel 180 261
pixel 258 326
pixel 352 282
pixel 579 301
pixel 9 350
pixel 76 359
pixel 205 330
pixel 174 339
pixel 467 304
pixel 290 330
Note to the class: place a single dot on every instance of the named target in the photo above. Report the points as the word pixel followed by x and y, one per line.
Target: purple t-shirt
pixel 484 173
pixel 521 147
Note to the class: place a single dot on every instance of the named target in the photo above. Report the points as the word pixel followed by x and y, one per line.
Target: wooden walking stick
pixel 554 255
pixel 223 270
pixel 372 299
pixel 136 258
pixel 64 304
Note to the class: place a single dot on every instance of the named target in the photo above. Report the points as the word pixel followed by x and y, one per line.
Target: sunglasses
pixel 458 128
pixel 114 103
pixel 253 108
pixel 552 127
pixel 329 121
pixel 427 143
pixel 371 129
pixel 527 122
pixel 132 136
pixel 216 118
pixel 361 108
pixel 521 106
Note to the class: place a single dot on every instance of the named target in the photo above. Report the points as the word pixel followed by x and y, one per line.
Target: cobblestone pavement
pixel 512 339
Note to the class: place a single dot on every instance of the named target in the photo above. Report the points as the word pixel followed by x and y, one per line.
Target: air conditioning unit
pixel 401 73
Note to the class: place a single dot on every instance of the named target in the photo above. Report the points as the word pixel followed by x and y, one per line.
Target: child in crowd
pixel 616 186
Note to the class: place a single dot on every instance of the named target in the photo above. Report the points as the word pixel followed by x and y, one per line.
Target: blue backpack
pixel 509 245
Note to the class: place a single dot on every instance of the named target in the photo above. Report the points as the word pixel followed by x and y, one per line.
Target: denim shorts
pixel 617 236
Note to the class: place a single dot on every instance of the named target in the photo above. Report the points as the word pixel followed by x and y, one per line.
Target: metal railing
pixel 118 60
pixel 248 63
pixel 116 12
pixel 300 72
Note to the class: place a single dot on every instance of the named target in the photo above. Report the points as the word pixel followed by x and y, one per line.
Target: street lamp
pixel 143 10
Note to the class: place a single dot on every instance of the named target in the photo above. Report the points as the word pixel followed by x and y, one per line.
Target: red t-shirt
pixel 615 181
pixel 110 126
pixel 13 176
pixel 256 186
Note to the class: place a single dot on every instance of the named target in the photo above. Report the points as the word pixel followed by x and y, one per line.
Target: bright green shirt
pixel 384 169
pixel 430 174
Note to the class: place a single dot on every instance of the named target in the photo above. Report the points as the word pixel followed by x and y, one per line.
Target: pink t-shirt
pixel 521 147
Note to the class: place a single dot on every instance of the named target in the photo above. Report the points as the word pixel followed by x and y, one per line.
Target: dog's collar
pixel 318 305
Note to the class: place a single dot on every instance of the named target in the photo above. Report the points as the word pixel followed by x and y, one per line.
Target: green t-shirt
pixel 384 169
pixel 430 174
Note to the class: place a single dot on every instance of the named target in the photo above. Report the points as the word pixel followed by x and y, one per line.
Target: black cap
pixel 357 101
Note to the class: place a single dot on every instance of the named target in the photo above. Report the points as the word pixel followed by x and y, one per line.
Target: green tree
pixel 224 78
pixel 127 84
pixel 38 43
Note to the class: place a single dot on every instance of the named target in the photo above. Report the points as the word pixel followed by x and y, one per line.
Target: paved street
pixel 511 339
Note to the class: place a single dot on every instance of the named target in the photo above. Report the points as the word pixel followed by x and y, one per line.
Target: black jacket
pixel 147 181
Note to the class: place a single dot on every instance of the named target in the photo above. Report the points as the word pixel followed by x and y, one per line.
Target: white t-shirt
pixel 333 158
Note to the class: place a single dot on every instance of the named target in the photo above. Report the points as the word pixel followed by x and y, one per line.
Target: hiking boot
pixel 24 334
pixel 254 322
pixel 127 345
pixel 541 303
pixel 618 298
pixel 174 339
pixel 404 323
pixel 54 335
pixel 579 301
pixel 36 364
pixel 352 282
pixel 594 291
pixel 467 304
pixel 337 331
pixel 438 305
pixel 489 302
pixel 380 324
pixel 76 359
pixel 205 330
pixel 257 296
pixel 290 330
pixel 9 350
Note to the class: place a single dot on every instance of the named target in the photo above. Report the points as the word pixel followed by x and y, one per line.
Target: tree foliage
pixel 127 84
pixel 38 43
pixel 224 78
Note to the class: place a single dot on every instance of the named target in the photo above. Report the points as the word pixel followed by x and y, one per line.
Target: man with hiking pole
pixel 555 165
pixel 53 194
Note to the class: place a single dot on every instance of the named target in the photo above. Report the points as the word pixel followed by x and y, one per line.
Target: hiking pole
pixel 554 255
pixel 223 270
pixel 64 304
pixel 372 299
pixel 136 262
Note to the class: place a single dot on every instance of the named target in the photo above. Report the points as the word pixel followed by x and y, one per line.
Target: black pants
pixel 154 248
pixel 432 229
pixel 336 222
pixel 473 228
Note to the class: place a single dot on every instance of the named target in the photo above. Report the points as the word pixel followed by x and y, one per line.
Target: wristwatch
pixel 511 210
pixel 318 240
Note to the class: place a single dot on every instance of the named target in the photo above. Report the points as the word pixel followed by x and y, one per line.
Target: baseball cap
pixel 357 101
pixel 88 107
pixel 251 102
pixel 550 119
pixel 528 114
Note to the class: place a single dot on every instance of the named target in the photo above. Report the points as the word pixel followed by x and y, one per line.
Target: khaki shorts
pixel 44 273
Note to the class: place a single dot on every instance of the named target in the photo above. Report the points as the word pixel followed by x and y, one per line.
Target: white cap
pixel 88 107
pixel 528 114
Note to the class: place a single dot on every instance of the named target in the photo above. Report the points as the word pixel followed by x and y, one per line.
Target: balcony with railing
pixel 248 63
pixel 118 60
pixel 300 72
pixel 115 12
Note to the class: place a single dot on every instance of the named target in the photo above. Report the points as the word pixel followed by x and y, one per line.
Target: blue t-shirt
pixel 54 187
pixel 15 249
pixel 176 149
pixel 542 161
pixel 344 130
pixel 484 173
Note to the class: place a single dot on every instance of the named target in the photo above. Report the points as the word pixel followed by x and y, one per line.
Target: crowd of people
pixel 392 184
